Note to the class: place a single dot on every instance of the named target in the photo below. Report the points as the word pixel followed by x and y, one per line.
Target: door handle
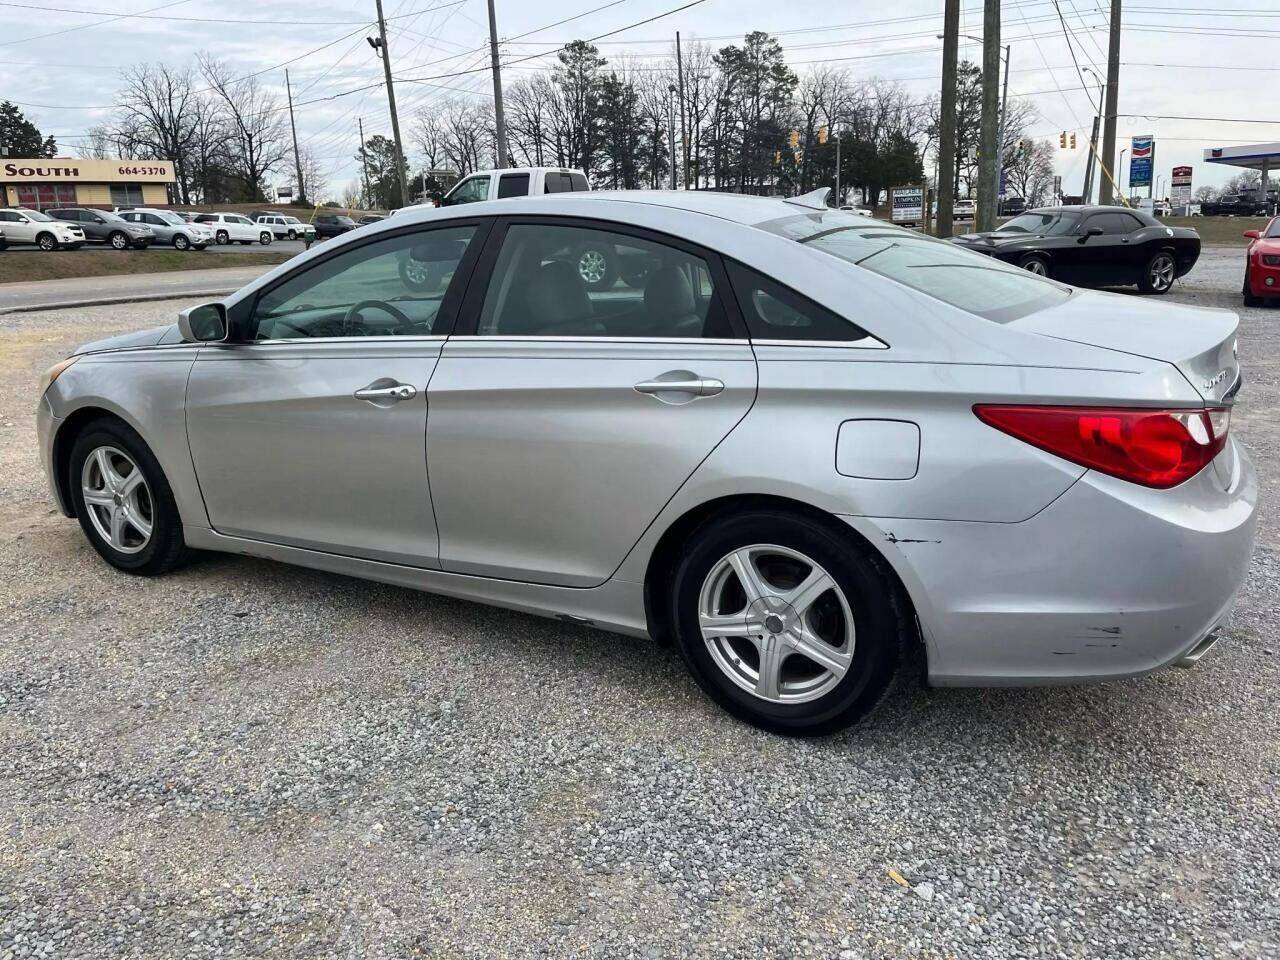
pixel 700 386
pixel 395 392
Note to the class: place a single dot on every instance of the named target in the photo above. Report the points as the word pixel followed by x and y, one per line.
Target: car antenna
pixel 814 199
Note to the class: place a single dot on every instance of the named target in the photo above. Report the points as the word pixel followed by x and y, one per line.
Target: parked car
pixel 1093 246
pixel 332 225
pixel 1012 206
pixel 21 225
pixel 3 242
pixel 964 210
pixel 103 226
pixel 170 228
pixel 515 182
pixel 1234 205
pixel 1262 265
pixel 796 487
pixel 234 228
pixel 370 218
pixel 284 226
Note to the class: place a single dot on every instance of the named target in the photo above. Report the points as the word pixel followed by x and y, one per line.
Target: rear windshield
pixel 971 281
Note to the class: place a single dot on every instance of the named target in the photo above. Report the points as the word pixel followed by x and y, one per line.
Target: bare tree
pixel 315 180
pixel 159 107
pixel 256 124
pixel 529 105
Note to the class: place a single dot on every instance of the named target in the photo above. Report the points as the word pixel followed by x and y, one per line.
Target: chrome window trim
pixel 863 343
pixel 300 340
pixel 470 338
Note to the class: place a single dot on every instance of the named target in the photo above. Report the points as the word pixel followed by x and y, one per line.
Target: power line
pixel 84 26
pixel 147 16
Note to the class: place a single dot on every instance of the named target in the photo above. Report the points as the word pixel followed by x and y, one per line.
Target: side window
pixel 153 219
pixel 578 182
pixel 392 287
pixel 1110 223
pixel 1129 223
pixel 206 218
pixel 556 182
pixel 775 312
pixel 513 185
pixel 469 191
pixel 568 281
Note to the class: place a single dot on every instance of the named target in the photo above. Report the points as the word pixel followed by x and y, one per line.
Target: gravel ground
pixel 247 759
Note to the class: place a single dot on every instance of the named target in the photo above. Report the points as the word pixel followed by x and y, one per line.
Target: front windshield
pixel 292 220
pixel 109 216
pixel 170 218
pixel 345 220
pixel 971 281
pixel 37 216
pixel 1043 223
pixel 1273 230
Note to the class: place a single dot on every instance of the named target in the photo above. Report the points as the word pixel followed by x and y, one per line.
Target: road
pixel 83 291
pixel 251 759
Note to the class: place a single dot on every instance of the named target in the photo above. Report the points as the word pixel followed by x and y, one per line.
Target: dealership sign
pixel 1180 186
pixel 908 204
pixel 1142 157
pixel 86 171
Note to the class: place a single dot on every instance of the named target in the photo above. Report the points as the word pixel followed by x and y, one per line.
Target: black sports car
pixel 1093 246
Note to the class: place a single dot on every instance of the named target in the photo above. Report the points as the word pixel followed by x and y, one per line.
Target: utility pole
pixel 500 121
pixel 1004 113
pixel 838 200
pixel 391 102
pixel 947 120
pixel 1113 93
pixel 684 132
pixel 297 157
pixel 1093 140
pixel 989 148
pixel 364 163
pixel 671 133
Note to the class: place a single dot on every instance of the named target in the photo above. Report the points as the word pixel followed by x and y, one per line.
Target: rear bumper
pixel 1111 580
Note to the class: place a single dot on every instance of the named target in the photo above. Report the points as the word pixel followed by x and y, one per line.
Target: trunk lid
pixel 1199 341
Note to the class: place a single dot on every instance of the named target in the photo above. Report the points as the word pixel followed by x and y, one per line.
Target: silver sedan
pixel 792 441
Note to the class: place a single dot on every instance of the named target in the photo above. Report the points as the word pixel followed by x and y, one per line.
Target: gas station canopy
pixel 1254 156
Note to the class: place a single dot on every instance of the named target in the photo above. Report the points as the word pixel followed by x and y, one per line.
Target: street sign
pixel 1142 157
pixel 908 205
pixel 283 192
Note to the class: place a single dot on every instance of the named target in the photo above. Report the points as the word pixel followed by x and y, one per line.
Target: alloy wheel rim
pixel 46 243
pixel 119 242
pixel 1162 272
pixel 776 624
pixel 117 499
pixel 1036 267
pixel 591 266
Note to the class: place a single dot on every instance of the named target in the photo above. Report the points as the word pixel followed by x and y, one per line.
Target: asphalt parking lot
pixel 248 759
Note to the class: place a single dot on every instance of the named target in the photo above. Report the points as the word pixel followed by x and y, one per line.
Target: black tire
pixel 293 234
pixel 597 264
pixel 264 237
pixel 1249 299
pixel 879 611
pixel 47 242
pixel 1149 283
pixel 180 242
pixel 1037 264
pixel 636 270
pixel 118 240
pixel 221 238
pixel 166 548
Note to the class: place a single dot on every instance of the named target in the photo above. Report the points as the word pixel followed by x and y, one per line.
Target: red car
pixel 1262 265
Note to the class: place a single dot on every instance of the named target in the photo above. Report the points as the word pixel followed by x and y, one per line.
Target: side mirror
pixel 1253 234
pixel 1091 232
pixel 206 323
pixel 23 220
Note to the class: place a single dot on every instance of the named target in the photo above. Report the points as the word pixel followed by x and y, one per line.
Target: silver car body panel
pixel 552 481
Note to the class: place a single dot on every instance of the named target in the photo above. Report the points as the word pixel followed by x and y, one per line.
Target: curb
pixel 131 298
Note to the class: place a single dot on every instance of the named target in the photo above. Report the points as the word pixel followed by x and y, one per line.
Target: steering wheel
pixel 404 324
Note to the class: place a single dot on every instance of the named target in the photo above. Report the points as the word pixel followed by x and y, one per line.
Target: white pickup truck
pixel 515 182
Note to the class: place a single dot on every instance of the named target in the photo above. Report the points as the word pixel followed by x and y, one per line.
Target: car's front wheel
pixel 123 500
pixel 293 234
pixel 597 265
pixel 1035 264
pixel 264 237
pixel 787 623
pixel 1249 299
pixel 222 237
pixel 47 242
pixel 119 240
pixel 1160 273
pixel 181 242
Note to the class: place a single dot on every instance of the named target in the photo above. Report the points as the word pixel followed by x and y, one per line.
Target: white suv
pixel 234 228
pixel 287 227
pixel 31 226
pixel 170 228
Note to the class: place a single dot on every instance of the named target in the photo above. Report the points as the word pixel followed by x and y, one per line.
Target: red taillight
pixel 1156 448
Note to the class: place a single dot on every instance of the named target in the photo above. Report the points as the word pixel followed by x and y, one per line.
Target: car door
pixel 563 420
pixel 308 427
pixel 1100 260
pixel 1135 249
pixel 17 227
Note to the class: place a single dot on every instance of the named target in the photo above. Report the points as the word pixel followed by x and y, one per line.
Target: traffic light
pixel 1073 141
pixel 793 138
pixel 1062 140
pixel 822 134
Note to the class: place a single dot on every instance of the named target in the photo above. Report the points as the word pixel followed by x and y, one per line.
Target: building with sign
pixel 39 184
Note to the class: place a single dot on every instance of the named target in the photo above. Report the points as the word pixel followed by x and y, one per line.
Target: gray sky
pixel 1211 59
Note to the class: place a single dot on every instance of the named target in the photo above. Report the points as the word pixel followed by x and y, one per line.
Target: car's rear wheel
pixel 180 241
pixel 222 237
pixel 123 500
pixel 1160 273
pixel 118 240
pixel 597 265
pixel 264 237
pixel 1249 299
pixel 1035 264
pixel 786 623
pixel 47 241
